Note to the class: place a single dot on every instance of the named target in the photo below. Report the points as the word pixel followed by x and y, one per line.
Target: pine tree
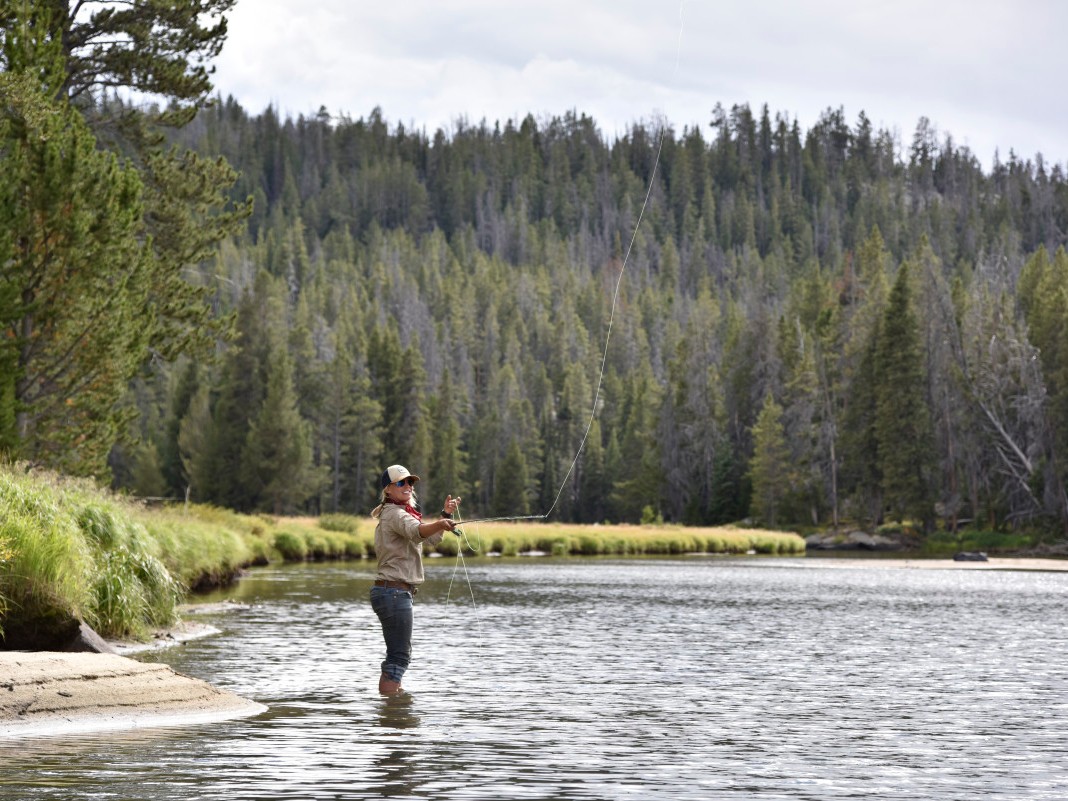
pixel 448 464
pixel 860 443
pixel 801 423
pixel 413 435
pixel 195 433
pixel 335 402
pixel 639 481
pixel 241 390
pixel 73 289
pixel 278 467
pixel 186 386
pixel 594 486
pixel 151 48
pixel 862 301
pixel 510 487
pixel 902 419
pixel 97 213
pixel 362 455
pixel 158 50
pixel 769 468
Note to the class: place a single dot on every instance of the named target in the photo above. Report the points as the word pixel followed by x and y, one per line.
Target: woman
pixel 399 540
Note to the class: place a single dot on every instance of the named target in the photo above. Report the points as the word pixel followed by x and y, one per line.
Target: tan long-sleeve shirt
pixel 399 547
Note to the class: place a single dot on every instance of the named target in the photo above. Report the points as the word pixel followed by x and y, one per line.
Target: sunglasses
pixel 409 481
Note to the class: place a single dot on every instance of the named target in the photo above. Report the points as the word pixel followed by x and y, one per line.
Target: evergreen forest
pixel 804 327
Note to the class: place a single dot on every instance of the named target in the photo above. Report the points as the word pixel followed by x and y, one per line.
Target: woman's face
pixel 402 493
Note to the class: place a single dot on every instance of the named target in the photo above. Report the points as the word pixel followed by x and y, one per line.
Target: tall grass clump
pixel 200 553
pixel 132 588
pixel 47 569
pixel 292 546
pixel 72 551
pixel 341 522
pixel 6 553
pixel 326 538
pixel 77 554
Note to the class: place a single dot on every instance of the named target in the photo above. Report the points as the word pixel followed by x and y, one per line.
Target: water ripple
pixel 609 679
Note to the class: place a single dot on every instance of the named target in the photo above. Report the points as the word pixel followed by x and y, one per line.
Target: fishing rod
pixel 501 519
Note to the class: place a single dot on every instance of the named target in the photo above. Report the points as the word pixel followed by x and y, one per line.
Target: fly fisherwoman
pixel 399 539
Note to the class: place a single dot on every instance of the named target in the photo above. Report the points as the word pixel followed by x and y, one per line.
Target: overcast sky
pixel 988 72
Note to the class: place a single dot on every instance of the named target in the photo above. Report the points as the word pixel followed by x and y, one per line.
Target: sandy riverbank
pixel 49 693
pixel 993 563
pixel 54 693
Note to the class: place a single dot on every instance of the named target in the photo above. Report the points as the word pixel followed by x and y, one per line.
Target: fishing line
pixel 462 536
pixel 611 317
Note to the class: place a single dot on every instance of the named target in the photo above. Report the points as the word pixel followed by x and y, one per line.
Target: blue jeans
pixel 394 609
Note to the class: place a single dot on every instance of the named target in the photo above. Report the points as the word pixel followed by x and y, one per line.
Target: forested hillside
pixel 806 327
pixel 812 325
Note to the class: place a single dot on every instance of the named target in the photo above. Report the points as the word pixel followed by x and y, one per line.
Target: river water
pixel 690 678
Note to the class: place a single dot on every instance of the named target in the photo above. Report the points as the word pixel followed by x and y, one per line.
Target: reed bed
pixel 561 539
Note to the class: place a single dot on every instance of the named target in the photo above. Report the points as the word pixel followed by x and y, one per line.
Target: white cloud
pixel 979 70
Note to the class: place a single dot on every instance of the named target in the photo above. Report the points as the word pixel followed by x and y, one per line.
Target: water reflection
pixel 398 712
pixel 606 679
pixel 395 764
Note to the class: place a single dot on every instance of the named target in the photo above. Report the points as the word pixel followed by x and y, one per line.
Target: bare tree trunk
pixel 951 458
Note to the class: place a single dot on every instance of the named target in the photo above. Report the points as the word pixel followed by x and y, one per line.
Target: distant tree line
pixel 812 327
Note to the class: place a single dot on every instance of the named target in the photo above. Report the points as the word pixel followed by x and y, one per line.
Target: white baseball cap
pixel 395 473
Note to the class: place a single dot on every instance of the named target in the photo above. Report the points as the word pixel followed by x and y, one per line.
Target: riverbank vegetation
pixel 568 539
pixel 72 551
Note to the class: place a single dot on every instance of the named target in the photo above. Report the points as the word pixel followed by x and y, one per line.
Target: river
pixel 534 678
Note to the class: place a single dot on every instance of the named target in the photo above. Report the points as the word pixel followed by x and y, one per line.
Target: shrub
pixel 339 522
pixel 561 546
pixel 292 546
pixel 587 545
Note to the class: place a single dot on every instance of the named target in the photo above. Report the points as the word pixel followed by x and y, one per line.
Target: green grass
pixel 945 542
pixel 69 549
pixel 560 539
pixel 48 563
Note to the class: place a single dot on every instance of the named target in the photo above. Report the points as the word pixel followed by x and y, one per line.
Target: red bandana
pixel 407 508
